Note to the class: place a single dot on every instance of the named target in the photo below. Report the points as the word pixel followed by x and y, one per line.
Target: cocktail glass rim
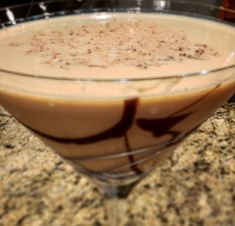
pixel 201 72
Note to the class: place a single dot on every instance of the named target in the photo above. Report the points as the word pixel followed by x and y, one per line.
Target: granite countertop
pixel 196 187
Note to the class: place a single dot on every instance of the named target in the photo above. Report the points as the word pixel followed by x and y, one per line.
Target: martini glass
pixel 115 130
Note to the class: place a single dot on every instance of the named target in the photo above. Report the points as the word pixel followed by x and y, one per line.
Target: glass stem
pixel 116 204
pixel 116 209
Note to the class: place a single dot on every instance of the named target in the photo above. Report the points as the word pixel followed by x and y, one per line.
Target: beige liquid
pixel 161 112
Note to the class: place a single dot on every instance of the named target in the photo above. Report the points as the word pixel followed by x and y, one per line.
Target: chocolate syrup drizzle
pixel 158 127
pixel 134 167
pixel 117 131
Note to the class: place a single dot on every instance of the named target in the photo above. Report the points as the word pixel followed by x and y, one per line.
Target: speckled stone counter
pixel 196 187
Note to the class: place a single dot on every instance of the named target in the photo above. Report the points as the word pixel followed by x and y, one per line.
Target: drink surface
pixel 90 122
pixel 116 45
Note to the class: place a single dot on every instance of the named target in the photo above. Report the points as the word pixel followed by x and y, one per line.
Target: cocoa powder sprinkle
pixel 135 43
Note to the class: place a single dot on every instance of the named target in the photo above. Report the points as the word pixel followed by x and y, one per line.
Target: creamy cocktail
pixel 108 92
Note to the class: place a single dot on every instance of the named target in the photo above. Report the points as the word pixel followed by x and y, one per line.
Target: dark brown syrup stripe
pixel 153 153
pixel 117 131
pixel 196 101
pixel 113 173
pixel 160 127
pixel 131 158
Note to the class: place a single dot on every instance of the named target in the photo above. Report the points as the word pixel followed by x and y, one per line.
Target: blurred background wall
pixel 14 2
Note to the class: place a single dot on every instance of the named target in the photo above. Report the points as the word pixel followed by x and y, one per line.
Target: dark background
pixel 3 3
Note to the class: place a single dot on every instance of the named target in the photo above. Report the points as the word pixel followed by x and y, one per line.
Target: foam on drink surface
pixel 114 45
pixel 135 43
